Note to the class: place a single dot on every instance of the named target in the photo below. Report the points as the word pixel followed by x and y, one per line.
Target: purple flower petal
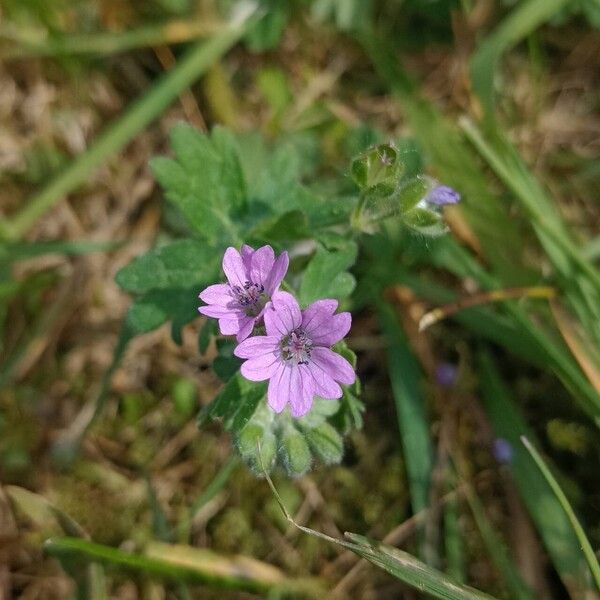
pixel 441 195
pixel 323 383
pixel 229 326
pixel 320 310
pixel 219 293
pixel 246 327
pixel 261 367
pixel 261 265
pixel 280 267
pixel 279 385
pixel 283 316
pixel 234 267
pixel 323 328
pixel 446 374
pixel 333 364
pixel 302 392
pixel 253 276
pixel 246 253
pixel 503 451
pixel 256 346
pixel 212 310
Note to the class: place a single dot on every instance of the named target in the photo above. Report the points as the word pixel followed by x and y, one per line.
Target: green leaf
pixel 413 423
pixel 267 32
pixel 235 403
pixel 295 453
pixel 208 331
pixel 257 440
pixel 326 443
pixel 205 181
pixel 326 275
pixel 292 225
pixel 225 364
pixel 152 309
pixel 180 264
pixel 397 563
pixel 349 414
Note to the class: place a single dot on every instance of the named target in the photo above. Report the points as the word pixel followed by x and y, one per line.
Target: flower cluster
pixel 295 354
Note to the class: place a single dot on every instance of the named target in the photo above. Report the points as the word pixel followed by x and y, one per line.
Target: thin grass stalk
pixel 147 108
pixel 25 44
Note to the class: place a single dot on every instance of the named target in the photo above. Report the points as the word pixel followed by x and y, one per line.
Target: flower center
pixel 296 347
pixel 251 297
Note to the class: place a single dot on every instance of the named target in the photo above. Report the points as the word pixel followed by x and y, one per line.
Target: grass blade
pixel 413 572
pixel 212 489
pixel 520 23
pixel 498 551
pixel 511 169
pixel 546 512
pixel 139 115
pixel 179 564
pixel 399 564
pixel 500 240
pixel 586 547
pixel 405 376
pixel 22 250
pixel 23 43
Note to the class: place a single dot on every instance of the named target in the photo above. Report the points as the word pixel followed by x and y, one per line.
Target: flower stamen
pixel 296 347
pixel 251 297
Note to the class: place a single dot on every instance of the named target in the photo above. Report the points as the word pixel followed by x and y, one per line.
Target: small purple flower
pixel 446 374
pixel 295 355
pixel 253 277
pixel 441 195
pixel 503 451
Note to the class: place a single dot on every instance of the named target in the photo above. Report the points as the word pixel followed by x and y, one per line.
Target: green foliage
pixel 379 167
pixel 179 264
pixel 407 568
pixel 413 422
pixel 265 438
pixel 205 181
pixel 177 563
pixel 538 496
pixel 527 17
pixel 326 276
pixel 584 542
pixel 391 185
pixel 397 563
pixel 235 403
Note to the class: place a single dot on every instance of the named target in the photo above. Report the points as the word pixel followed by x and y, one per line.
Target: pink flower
pixel 253 277
pixel 295 355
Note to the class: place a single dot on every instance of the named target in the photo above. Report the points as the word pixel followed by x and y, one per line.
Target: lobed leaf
pixel 326 275
pixel 179 264
pixel 205 181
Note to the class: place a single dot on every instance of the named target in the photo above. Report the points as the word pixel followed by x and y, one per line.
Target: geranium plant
pixel 270 258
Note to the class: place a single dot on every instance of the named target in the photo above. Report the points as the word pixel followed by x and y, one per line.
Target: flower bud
pixel 326 443
pixel 421 201
pixel 295 453
pixel 257 434
pixel 378 169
